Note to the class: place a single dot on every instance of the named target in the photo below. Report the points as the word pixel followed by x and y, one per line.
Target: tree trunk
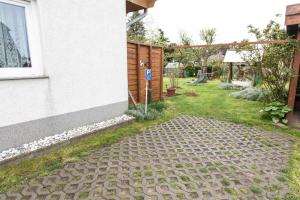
pixel 229 78
pixel 254 79
pixel 239 72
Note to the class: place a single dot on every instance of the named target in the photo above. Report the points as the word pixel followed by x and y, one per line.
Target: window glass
pixel 14 48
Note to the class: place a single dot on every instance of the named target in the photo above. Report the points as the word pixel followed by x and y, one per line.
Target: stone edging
pixel 30 150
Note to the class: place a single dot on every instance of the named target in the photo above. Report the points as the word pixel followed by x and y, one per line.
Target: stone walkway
pixel 185 158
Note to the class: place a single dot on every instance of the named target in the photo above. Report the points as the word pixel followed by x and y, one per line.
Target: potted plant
pixel 171 91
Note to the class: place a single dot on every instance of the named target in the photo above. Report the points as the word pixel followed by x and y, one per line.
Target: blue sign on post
pixel 148 74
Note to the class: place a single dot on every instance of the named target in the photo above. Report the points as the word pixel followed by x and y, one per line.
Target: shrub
pixel 154 110
pixel 251 94
pixel 218 71
pixel 271 63
pixel 189 71
pixel 158 106
pixel 276 111
pixel 229 86
pixel 139 116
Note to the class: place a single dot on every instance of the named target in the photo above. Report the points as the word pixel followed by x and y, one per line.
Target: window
pixel 14 49
pixel 19 52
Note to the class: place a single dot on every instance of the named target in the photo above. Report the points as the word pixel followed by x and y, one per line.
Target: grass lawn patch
pixel 216 103
pixel 294 171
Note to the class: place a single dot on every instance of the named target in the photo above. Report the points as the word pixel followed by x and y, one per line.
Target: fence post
pixel 151 67
pixel 162 74
pixel 138 59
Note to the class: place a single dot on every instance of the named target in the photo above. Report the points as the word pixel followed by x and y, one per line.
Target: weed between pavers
pixel 185 178
pixel 175 185
pixel 83 195
pixel 225 182
pixel 231 191
pixel 139 174
pixel 257 180
pixel 148 173
pixel 162 180
pixel 282 178
pixel 274 188
pixel 256 190
pixel 180 196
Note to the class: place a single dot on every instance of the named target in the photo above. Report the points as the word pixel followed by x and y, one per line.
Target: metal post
pixel 146 103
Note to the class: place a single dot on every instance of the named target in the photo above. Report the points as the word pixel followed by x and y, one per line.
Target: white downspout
pixel 139 18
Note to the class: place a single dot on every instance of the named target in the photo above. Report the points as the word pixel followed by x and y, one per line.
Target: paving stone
pixel 185 158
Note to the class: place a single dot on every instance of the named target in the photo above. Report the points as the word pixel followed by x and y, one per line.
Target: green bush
pixel 230 86
pixel 251 94
pixel 218 71
pixel 209 69
pixel 154 110
pixel 189 71
pixel 158 106
pixel 277 112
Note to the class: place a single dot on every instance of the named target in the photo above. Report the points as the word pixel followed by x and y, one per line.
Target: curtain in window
pixel 14 49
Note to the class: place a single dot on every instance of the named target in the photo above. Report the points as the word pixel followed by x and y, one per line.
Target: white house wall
pixel 84 54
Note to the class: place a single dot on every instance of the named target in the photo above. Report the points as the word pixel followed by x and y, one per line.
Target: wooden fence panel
pixel 152 57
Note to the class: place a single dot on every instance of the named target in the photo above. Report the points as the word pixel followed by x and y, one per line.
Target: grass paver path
pixel 184 158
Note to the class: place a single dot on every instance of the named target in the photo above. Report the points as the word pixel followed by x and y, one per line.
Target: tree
pixel 216 62
pixel 208 35
pixel 185 39
pixel 184 55
pixel 201 55
pixel 137 31
pixel 272 61
pixel 181 55
pixel 276 63
pixel 253 55
pixel 158 38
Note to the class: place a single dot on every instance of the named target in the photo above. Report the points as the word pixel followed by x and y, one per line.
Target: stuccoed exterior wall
pixel 84 55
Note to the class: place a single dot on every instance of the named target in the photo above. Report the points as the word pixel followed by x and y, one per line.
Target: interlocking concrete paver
pixel 185 158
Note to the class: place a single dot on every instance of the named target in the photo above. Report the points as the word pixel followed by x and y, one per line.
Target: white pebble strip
pixel 67 135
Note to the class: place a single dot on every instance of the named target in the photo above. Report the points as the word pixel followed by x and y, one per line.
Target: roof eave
pixel 135 5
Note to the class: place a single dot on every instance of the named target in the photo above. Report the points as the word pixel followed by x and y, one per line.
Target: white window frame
pixel 36 69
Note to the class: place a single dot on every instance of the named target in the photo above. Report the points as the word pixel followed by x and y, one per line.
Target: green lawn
pixel 216 103
pixel 211 102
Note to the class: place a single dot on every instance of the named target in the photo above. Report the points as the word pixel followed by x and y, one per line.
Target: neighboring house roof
pixel 135 5
pixel 174 65
pixel 234 57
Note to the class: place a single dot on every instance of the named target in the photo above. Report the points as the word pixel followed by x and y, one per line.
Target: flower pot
pixel 171 92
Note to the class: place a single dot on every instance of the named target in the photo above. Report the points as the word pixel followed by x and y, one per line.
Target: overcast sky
pixel 230 17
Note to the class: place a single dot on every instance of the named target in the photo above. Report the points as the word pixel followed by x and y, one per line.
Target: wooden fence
pixel 140 57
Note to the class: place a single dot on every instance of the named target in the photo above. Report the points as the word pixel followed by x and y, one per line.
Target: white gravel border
pixel 58 138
